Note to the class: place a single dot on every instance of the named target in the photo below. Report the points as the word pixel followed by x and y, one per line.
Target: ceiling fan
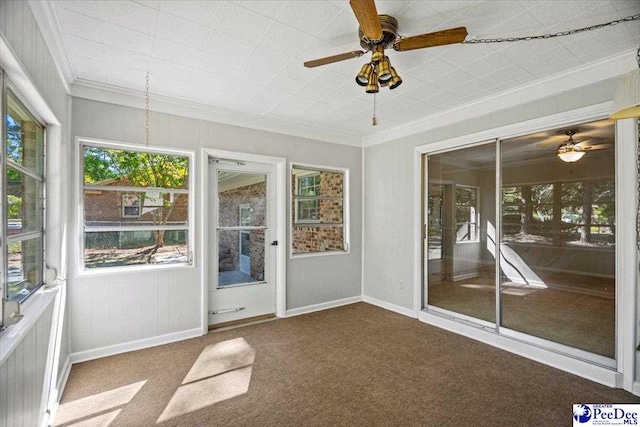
pixel 571 150
pixel 378 32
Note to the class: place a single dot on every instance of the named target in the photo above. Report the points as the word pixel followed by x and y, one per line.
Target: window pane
pixel 107 166
pixel 461 278
pixel 125 248
pixel 24 203
pixel 25 137
pixel 242 199
pixel 241 257
pixel 317 183
pixel 323 211
pixel 113 208
pixel 308 211
pixel 558 262
pixel 25 268
pixel 308 239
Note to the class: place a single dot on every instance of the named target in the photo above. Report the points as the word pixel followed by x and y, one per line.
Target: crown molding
pixel 47 20
pixel 131 98
pixel 612 67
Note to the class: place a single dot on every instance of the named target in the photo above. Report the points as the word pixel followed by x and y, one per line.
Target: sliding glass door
pixel 558 239
pixel 461 266
pixel 555 222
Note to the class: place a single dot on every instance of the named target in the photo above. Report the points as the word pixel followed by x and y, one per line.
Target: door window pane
pixel 242 199
pixel 558 239
pixel 461 277
pixel 241 256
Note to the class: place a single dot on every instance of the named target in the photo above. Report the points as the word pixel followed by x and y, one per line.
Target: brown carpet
pixel 353 365
pixel 572 318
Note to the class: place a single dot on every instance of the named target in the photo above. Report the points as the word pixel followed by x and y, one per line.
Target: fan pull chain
pixel 146 111
pixel 374 120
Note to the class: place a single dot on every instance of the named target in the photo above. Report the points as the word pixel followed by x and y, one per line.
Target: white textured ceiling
pixel 246 56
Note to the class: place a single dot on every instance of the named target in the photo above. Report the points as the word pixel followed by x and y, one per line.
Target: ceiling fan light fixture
pixel 569 153
pixel 378 54
pixel 373 87
pixel 384 70
pixel 363 76
pixel 395 79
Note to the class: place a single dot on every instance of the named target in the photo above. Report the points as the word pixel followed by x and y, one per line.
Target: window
pixel 308 185
pixel 466 214
pixel 130 206
pixel 318 210
pixel 24 200
pixel 579 213
pixel 136 206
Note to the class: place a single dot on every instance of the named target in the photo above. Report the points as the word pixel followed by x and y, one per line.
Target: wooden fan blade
pixel 334 58
pixel 367 16
pixel 595 146
pixel 439 38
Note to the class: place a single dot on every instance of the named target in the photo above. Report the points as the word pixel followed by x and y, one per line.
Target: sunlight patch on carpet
pixel 221 372
pixel 91 410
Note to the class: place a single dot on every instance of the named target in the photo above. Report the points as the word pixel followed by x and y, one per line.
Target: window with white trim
pixel 136 206
pixel 23 193
pixel 466 214
pixel 318 210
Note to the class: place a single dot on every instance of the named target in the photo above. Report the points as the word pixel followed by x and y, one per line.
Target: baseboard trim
pixel 323 306
pixel 636 389
pixel 97 353
pixel 584 369
pixel 388 306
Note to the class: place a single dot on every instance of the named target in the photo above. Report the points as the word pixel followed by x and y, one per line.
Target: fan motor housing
pixel 389 26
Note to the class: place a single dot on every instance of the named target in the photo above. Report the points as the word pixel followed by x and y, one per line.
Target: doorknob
pixel 274 243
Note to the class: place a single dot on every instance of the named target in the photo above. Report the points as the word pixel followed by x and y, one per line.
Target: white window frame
pixel 81 142
pixel 297 204
pixel 345 209
pixel 477 215
pixel 5 87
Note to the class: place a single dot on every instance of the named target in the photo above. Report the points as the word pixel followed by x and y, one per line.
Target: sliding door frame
pixel 618 372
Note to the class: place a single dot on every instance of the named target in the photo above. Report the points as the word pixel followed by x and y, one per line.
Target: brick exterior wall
pixel 310 238
pixel 254 195
pixel 106 206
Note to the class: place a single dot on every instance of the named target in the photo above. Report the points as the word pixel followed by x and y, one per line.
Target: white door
pixel 242 259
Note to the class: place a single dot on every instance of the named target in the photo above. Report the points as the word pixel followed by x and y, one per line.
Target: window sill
pixel 32 310
pixel 317 254
pixel 101 271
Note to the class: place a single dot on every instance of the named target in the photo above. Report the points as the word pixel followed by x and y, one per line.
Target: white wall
pixel 22 380
pixel 115 309
pixel 26 369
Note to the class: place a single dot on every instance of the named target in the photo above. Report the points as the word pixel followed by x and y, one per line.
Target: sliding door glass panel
pixel 460 231
pixel 558 237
